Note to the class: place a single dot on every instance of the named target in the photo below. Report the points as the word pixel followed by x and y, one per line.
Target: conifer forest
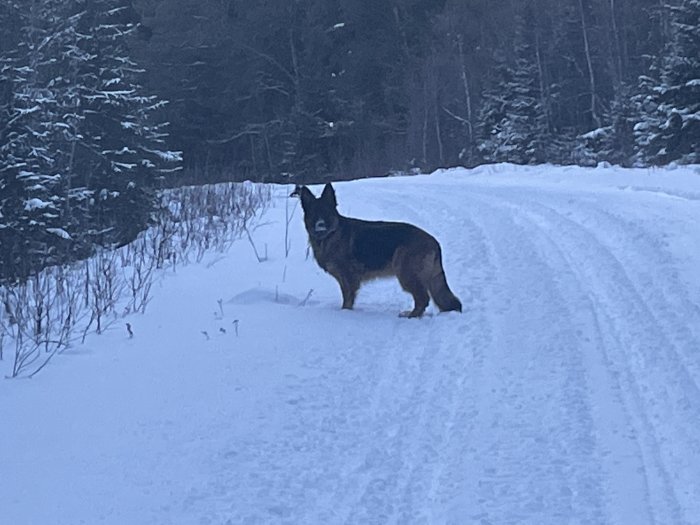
pixel 103 103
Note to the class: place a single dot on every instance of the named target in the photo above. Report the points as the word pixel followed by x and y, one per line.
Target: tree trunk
pixel 295 69
pixel 425 122
pixel 467 92
pixel 589 63
pixel 617 50
pixel 544 90
pixel 438 133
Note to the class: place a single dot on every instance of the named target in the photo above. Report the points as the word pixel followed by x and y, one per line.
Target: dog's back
pixel 374 243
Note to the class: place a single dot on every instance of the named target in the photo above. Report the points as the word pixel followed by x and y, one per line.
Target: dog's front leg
pixel 348 288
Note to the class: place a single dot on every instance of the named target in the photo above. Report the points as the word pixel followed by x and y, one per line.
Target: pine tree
pixel 491 115
pixel 613 142
pixel 8 47
pixel 669 100
pixel 83 146
pixel 513 121
pixel 30 169
pixel 120 158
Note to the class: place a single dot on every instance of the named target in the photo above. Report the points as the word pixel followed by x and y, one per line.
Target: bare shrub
pixel 206 218
pixel 139 275
pixel 37 317
pixel 104 287
pixel 288 216
pixel 45 314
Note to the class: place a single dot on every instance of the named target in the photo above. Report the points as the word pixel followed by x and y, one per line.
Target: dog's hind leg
pixel 413 285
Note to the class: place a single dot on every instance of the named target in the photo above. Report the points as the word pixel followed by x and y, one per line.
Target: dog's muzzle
pixel 320 226
pixel 321 229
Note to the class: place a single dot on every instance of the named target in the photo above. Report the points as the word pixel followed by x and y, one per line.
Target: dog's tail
pixel 445 300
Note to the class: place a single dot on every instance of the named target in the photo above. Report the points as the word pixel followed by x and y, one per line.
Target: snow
pixel 167 156
pixel 567 392
pixel 36 204
pixel 124 165
pixel 595 134
pixel 124 151
pixel 60 232
pixel 27 111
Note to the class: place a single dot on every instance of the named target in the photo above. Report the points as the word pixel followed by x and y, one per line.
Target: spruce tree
pixel 614 141
pixel 669 100
pixel 121 157
pixel 83 145
pixel 30 165
pixel 513 122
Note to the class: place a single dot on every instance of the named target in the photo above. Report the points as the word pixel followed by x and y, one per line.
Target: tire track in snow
pixel 625 493
pixel 402 454
pixel 666 300
pixel 290 474
pixel 534 431
pixel 468 498
pixel 442 400
pixel 477 274
pixel 656 387
pixel 665 390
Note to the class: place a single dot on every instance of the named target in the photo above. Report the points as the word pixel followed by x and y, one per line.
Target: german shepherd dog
pixel 354 251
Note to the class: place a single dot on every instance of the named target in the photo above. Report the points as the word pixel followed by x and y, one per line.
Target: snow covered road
pixel 567 392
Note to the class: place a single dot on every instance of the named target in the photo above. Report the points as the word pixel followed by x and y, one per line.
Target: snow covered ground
pixel 567 392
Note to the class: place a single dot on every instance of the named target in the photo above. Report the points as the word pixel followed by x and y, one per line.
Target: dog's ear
pixel 328 195
pixel 304 195
pixel 297 191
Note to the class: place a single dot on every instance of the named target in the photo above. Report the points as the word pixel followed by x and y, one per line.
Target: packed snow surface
pixel 567 392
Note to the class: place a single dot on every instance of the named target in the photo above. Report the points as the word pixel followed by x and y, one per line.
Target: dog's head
pixel 321 216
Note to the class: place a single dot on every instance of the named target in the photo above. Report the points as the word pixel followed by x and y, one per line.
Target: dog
pixel 354 251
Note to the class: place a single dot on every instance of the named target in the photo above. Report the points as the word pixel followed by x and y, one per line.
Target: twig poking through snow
pixel 255 249
pixel 308 296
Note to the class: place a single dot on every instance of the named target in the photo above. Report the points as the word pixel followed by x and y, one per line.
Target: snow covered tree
pixel 83 145
pixel 614 141
pixel 30 175
pixel 669 102
pixel 512 120
pixel 8 47
pixel 120 157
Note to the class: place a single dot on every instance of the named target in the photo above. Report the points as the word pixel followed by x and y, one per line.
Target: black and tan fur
pixel 354 251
